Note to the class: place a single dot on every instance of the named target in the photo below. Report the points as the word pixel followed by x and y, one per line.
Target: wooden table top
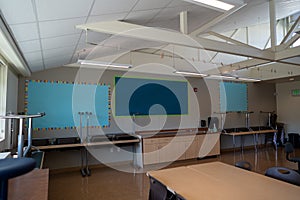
pixel 250 132
pixel 87 144
pixel 30 186
pixel 216 180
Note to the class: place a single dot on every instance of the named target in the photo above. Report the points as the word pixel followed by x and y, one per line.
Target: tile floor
pixel 110 184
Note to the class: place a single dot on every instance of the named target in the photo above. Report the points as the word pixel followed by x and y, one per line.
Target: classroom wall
pixel 260 97
pixel 288 106
pixel 119 124
pixel 12 101
pixel 10 105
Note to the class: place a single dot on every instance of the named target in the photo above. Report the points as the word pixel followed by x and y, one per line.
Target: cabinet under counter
pixel 172 145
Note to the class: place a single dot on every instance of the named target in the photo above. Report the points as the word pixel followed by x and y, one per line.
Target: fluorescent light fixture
pixel 233 78
pixel 249 79
pixel 214 4
pixel 103 64
pixel 222 77
pixel 190 73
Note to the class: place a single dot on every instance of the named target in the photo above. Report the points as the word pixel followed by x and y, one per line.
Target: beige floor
pixel 110 184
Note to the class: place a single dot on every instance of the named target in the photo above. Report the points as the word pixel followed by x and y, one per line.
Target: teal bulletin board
pixel 233 97
pixel 61 101
pixel 140 96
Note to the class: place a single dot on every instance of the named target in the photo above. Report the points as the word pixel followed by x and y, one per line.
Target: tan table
pixel 33 186
pixel 87 144
pixel 216 180
pixel 254 133
pixel 84 153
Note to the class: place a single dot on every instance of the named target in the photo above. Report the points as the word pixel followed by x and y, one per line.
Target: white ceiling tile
pixel 170 13
pixel 36 66
pixel 108 17
pixel 153 4
pixel 57 61
pixel 166 24
pixel 24 32
pixel 60 27
pixel 141 17
pixel 33 56
pixel 59 42
pixel 30 46
pixel 198 16
pixel 16 11
pixel 50 53
pixel 62 9
pixel 108 6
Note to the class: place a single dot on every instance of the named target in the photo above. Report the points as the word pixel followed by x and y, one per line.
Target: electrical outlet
pixel 111 149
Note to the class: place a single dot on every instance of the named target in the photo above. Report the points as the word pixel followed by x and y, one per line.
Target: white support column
pixel 272 12
pixel 183 22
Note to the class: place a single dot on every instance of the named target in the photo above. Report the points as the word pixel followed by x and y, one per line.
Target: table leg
pixel 255 141
pixel 134 158
pixel 233 142
pixel 275 140
pixel 82 162
pixel 242 144
pixel 87 170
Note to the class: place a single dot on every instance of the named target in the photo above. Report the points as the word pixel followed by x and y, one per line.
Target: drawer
pixel 150 141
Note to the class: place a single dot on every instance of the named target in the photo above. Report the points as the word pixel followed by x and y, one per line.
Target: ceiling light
pixel 190 73
pixel 213 4
pixel 249 79
pixel 103 64
pixel 221 77
pixel 291 79
pixel 233 78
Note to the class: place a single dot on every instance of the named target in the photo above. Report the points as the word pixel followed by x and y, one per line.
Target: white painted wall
pixel 11 104
pixel 3 87
pixel 288 106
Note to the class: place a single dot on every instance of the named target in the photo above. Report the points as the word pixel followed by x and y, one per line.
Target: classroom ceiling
pixel 46 35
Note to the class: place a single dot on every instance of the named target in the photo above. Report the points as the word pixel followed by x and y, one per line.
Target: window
pixel 3 88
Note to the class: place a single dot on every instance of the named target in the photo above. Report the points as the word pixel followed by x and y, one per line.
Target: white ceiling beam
pixel 228 39
pixel 280 58
pixel 288 43
pixel 183 22
pixel 170 37
pixel 291 31
pixel 216 20
pixel 239 50
pixel 242 65
pixel 288 53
